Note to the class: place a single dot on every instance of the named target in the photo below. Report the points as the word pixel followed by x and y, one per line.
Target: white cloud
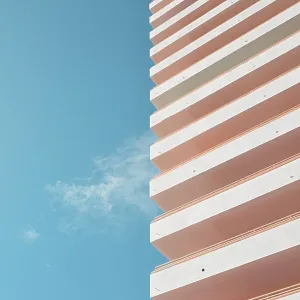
pixel 31 235
pixel 118 181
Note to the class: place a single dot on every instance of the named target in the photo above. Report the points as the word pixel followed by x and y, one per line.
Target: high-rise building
pixel 227 95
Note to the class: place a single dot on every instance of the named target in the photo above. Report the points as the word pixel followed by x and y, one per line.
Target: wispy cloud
pixel 119 182
pixel 30 235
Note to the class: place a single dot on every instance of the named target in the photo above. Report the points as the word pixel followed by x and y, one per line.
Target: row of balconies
pixel 229 56
pixel 228 122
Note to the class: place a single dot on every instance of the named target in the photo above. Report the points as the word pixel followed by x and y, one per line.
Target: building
pixel 227 95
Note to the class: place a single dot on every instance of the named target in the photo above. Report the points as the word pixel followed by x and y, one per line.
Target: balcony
pixel 231 85
pixel 182 19
pixel 242 156
pixel 288 293
pixel 264 261
pixel 252 202
pixel 234 28
pixel 157 5
pixel 258 106
pixel 169 11
pixel 198 28
pixel 228 57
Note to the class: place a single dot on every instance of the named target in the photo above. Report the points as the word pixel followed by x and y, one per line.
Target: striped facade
pixel 227 122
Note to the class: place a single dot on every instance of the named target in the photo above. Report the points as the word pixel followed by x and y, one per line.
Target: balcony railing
pixel 228 187
pixel 228 242
pixel 280 293
pixel 229 140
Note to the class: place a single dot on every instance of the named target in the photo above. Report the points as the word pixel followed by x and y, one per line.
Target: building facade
pixel 227 94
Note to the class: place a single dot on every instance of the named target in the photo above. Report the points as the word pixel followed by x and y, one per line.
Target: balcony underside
pixel 255 266
pixel 198 28
pixel 228 57
pixel 156 5
pixel 182 19
pixel 258 149
pixel 239 81
pixel 233 119
pixel 218 38
pixel 252 203
pixel 287 293
pixel 245 282
pixel 169 11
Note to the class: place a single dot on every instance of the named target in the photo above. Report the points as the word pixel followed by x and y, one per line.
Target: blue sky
pixel 74 169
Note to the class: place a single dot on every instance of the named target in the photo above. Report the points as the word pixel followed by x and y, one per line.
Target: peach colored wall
pixel 228 127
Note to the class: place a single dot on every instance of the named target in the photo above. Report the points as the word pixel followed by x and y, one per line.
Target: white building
pixel 227 75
